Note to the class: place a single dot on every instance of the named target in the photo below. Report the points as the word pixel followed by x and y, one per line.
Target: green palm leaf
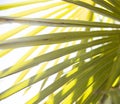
pixel 68 51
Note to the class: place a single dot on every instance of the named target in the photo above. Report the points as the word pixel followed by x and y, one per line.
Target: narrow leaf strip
pixel 53 38
pixel 57 22
pixel 23 3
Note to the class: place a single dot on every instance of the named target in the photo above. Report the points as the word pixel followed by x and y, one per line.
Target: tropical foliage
pixel 60 51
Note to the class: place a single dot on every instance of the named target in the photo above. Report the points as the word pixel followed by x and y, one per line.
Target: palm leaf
pixel 68 51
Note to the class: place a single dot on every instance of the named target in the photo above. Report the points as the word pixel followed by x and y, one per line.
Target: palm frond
pixel 69 51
